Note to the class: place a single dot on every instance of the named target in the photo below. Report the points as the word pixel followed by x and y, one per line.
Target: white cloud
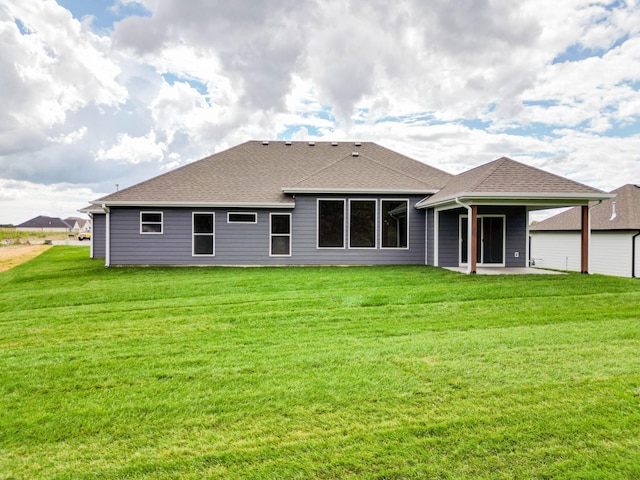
pixel 452 85
pixel 21 201
pixel 56 67
pixel 134 150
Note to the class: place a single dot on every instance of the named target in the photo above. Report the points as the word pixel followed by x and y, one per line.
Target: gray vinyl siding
pixel 449 237
pixel 248 244
pixel 430 237
pixel 516 235
pixel 98 235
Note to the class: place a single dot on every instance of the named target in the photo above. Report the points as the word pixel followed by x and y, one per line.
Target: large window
pixel 331 223
pixel 280 235
pixel 362 224
pixel 151 222
pixel 394 223
pixel 203 234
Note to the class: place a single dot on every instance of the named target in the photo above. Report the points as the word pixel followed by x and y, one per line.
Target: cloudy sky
pixel 103 92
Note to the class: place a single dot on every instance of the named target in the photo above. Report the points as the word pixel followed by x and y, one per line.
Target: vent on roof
pixel 358 144
pixel 355 154
pixel 265 142
pixel 613 212
pixel 312 144
pixel 334 144
pixel 288 142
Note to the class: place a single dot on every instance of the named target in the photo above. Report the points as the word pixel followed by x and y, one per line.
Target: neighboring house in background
pixel 615 236
pixel 78 225
pixel 44 224
pixel 328 203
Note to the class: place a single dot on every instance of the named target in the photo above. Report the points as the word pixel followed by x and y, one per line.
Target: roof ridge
pixel 490 168
pixel 394 169
pixel 318 171
pixel 380 164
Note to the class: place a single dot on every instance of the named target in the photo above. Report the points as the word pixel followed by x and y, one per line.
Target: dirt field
pixel 16 254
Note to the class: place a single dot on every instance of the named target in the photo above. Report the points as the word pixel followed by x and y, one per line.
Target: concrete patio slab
pixel 506 271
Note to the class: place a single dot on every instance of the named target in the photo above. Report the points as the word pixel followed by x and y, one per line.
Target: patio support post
pixel 473 231
pixel 584 261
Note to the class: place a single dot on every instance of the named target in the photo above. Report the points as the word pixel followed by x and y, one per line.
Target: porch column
pixel 473 233
pixel 584 260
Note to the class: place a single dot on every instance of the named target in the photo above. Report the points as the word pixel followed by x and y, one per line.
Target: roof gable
pixel 505 177
pixel 619 213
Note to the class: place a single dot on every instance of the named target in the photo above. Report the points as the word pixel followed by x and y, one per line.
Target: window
pixel 241 217
pixel 280 235
pixel 203 234
pixel 150 222
pixel 362 224
pixel 331 223
pixel 395 225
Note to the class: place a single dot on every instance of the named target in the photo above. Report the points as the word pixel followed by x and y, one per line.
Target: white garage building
pixel 614 247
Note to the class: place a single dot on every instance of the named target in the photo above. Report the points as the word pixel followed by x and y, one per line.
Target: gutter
pixel 633 254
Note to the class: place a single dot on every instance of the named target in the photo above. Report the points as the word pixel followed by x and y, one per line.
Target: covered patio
pixel 480 221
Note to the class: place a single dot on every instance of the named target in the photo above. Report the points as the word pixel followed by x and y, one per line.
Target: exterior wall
pixel 430 237
pixel 449 237
pixel 98 235
pixel 515 235
pixel 636 270
pixel 610 252
pixel 556 250
pixel 248 244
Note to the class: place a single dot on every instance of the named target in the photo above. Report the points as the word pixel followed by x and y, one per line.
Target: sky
pixel 102 94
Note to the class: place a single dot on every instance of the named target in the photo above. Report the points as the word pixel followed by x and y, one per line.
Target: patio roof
pixel 507 182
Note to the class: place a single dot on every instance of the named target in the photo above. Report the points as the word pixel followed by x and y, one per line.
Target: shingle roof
pixel 360 172
pixel 42 221
pixel 256 173
pixel 627 214
pixel 508 176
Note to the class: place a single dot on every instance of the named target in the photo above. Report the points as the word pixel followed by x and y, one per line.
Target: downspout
pixel 469 226
pixel 633 254
pixel 107 241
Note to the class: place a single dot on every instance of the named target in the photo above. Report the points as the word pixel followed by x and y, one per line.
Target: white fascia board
pixel 516 198
pixel 196 204
pixel 368 191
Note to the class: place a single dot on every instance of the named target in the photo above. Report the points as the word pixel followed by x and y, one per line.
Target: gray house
pixel 328 203
pixel 615 236
pixel 42 223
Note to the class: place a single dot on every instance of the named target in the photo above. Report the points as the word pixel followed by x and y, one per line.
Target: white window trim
pixel 406 200
pixel 375 228
pixel 344 223
pixel 255 216
pixel 271 235
pixel 504 240
pixel 161 223
pixel 193 235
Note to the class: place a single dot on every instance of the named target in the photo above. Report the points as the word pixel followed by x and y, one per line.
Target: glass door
pixel 490 240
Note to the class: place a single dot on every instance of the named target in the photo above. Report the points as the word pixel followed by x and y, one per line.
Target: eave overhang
pixel 367 191
pixel 160 204
pixel 534 200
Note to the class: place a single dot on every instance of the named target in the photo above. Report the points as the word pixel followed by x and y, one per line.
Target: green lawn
pixel 363 372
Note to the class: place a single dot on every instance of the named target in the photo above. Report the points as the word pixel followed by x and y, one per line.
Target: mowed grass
pixel 362 372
